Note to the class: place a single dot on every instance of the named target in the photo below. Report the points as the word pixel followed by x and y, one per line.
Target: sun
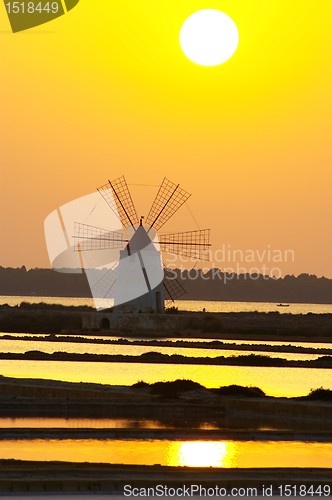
pixel 209 37
pixel 202 454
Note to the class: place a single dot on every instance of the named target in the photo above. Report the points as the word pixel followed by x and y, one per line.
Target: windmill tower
pixel 139 282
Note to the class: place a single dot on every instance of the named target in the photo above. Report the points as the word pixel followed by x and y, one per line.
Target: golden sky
pixel 106 90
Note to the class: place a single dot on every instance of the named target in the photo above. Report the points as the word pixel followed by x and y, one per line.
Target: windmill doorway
pixel 105 324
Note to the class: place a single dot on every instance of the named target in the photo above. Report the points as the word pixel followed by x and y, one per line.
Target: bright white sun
pixel 209 37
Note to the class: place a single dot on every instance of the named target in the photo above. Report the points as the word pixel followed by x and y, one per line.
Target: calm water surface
pixel 273 381
pixel 126 423
pixel 173 453
pixel 87 423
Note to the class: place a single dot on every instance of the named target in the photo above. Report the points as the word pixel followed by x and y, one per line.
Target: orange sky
pixel 107 91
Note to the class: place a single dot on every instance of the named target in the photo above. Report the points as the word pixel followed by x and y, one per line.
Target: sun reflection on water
pixel 201 454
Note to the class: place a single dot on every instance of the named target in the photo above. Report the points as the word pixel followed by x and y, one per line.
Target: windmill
pixel 139 281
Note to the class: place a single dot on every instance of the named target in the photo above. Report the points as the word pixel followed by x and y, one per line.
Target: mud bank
pixel 174 359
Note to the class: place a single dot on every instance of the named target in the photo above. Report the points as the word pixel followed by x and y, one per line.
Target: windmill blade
pixel 193 244
pixel 118 197
pixel 95 238
pixel 169 199
pixel 173 288
pixel 102 281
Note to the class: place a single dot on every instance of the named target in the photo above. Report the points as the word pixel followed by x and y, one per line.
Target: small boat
pixel 282 305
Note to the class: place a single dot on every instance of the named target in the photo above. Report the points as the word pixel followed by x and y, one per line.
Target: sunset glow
pixel 108 91
pixel 203 454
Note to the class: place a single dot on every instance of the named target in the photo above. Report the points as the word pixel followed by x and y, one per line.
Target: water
pixel 21 346
pixel 87 423
pixel 261 423
pixel 288 382
pixel 223 454
pixel 226 307
pixel 184 305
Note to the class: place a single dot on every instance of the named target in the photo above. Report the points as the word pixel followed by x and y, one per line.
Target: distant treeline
pixel 212 285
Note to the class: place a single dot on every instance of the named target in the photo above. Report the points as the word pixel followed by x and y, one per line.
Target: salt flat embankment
pixel 21 433
pixel 47 398
pixel 37 478
pixel 41 318
pixel 178 344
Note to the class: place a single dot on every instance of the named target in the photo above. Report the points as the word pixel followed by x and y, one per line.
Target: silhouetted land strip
pixel 182 344
pixel 166 434
pixel 19 477
pixel 159 358
pixel 212 285
pixel 182 403
pixel 43 318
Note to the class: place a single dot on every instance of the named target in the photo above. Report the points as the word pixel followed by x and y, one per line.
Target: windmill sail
pixel 88 238
pixel 169 199
pixel 135 278
pixel 172 287
pixel 118 197
pixel 102 282
pixel 193 244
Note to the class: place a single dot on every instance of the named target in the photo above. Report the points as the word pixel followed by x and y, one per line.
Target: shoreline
pixel 210 336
